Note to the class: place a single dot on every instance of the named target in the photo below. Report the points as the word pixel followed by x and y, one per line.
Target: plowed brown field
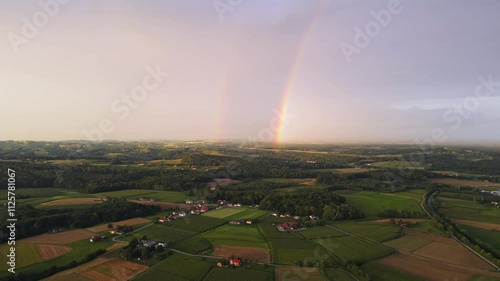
pixel 251 254
pixel 48 252
pixel 73 201
pixel 60 238
pixel 104 227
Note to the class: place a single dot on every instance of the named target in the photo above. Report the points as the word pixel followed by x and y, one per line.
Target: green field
pixel 193 245
pixel 371 203
pixel 489 236
pixel 467 210
pixel 26 254
pixel 248 214
pixel 379 272
pixel 321 232
pixel 179 267
pixel 162 196
pixel 196 224
pixel 408 243
pixel 379 232
pixel 33 193
pixel 161 233
pixel 240 274
pixel 179 229
pixel 290 251
pixel 223 212
pixel 348 248
pixel 236 235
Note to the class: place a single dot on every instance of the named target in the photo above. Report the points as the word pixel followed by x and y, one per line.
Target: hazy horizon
pixel 271 71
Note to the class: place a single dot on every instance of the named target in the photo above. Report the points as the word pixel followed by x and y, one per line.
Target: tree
pixel 145 253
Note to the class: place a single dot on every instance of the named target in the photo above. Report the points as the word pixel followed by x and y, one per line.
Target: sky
pixel 265 70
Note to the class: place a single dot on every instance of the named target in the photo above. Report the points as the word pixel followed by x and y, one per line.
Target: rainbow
pixel 294 69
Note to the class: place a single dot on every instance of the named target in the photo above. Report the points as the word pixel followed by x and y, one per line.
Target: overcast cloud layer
pixel 227 72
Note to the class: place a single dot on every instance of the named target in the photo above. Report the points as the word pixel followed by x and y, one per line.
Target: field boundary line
pixel 477 254
pixel 429 203
pixel 268 243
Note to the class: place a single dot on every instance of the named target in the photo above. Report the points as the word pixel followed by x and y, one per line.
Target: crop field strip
pixel 236 235
pixel 372 202
pixel 373 231
pixel 178 267
pixel 467 210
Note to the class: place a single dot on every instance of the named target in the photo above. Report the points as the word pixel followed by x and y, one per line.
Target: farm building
pixel 235 262
pixel 98 238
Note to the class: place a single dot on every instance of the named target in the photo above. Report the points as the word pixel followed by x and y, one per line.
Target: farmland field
pixel 321 232
pixel 113 269
pixel 161 196
pixel 34 193
pixel 309 274
pixel 72 201
pixel 290 251
pixel 489 236
pixel 161 233
pixel 425 269
pixel 251 254
pixel 371 203
pixel 337 275
pixel 26 254
pixel 483 225
pixel 48 252
pixel 373 231
pixel 180 267
pixel 248 214
pixel 467 210
pixel 129 222
pixel 348 248
pixel 408 243
pixel 223 212
pixel 240 274
pixel 236 235
pixel 60 238
pixel 80 251
pixel 195 224
pixel 379 272
pixel 452 254
pixel 193 245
